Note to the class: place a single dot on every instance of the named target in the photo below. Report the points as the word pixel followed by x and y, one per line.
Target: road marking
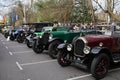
pixel 6 47
pixel 79 77
pixel 37 62
pixel 19 66
pixel 18 46
pixel 22 52
pixel 112 70
pixel 28 79
pixel 10 53
pixel 87 75
pixel 6 42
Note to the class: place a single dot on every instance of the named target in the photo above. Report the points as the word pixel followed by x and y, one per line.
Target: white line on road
pixel 18 46
pixel 28 79
pixel 10 53
pixel 22 52
pixel 19 66
pixel 9 42
pixel 112 70
pixel 38 62
pixel 79 77
pixel 87 75
pixel 6 47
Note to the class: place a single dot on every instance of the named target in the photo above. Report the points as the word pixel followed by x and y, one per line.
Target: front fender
pixel 28 38
pixel 97 50
pixel 62 46
pixel 53 39
pixel 34 38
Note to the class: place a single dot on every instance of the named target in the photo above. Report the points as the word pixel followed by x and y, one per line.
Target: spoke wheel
pixel 36 48
pixel 62 58
pixel 29 44
pixel 100 66
pixel 20 39
pixel 53 49
pixel 12 38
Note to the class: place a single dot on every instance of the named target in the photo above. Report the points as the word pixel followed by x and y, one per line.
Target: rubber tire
pixel 12 38
pixel 95 63
pixel 36 50
pixel 60 54
pixel 6 35
pixel 19 39
pixel 51 49
pixel 28 44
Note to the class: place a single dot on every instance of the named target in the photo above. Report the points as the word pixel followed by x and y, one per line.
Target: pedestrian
pixel 76 27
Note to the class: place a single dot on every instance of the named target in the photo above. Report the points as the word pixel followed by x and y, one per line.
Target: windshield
pixel 47 29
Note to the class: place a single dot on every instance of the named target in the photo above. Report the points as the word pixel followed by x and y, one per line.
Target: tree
pixel 54 10
pixel 109 8
pixel 24 12
pixel 81 11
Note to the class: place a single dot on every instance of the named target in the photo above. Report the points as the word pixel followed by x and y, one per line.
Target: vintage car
pixel 21 37
pixel 96 52
pixel 30 38
pixel 14 33
pixel 40 43
pixel 50 41
pixel 36 29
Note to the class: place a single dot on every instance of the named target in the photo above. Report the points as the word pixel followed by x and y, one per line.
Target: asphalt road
pixel 18 62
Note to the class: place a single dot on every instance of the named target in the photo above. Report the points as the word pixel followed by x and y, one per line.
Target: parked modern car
pixel 96 52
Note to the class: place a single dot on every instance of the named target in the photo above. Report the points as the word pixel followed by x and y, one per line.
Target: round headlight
pixel 40 36
pixel 69 47
pixel 51 36
pixel 86 50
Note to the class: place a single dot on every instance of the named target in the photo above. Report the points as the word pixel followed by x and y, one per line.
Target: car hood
pixel 96 40
pixel 57 32
pixel 39 33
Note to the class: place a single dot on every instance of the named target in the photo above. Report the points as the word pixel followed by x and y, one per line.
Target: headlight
pixel 40 36
pixel 51 36
pixel 65 41
pixel 69 47
pixel 86 50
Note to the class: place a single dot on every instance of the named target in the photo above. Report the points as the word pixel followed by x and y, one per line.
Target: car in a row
pixel 96 49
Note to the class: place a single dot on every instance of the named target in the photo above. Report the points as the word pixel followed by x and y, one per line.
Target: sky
pixel 6 5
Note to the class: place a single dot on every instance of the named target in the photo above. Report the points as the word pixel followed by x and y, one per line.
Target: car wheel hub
pixel 102 67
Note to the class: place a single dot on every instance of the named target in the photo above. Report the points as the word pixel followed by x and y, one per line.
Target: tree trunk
pixel 91 10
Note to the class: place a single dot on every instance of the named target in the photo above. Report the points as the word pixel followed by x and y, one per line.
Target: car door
pixel 116 36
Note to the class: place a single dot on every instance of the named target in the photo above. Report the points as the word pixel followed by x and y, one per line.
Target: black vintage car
pixel 37 31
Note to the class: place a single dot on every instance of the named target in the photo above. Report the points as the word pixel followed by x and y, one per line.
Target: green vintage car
pixel 50 40
pixel 43 38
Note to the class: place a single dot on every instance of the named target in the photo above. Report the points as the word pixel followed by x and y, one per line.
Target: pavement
pixel 18 62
